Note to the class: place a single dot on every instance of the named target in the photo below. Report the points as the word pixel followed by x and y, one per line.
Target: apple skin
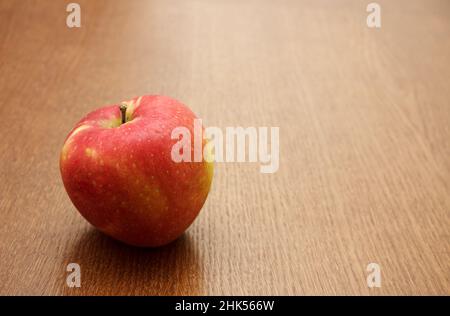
pixel 122 179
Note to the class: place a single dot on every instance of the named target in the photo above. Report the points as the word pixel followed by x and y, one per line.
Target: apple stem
pixel 123 110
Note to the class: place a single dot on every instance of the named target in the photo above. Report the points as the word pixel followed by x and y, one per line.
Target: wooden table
pixel 364 117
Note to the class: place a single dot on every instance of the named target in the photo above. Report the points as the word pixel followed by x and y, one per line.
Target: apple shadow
pixel 109 267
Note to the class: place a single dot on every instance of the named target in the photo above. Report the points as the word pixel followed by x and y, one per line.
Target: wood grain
pixel 364 117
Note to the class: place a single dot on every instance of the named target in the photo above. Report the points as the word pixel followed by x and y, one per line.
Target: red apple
pixel 121 177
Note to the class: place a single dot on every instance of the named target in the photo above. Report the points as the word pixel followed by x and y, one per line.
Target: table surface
pixel 364 117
